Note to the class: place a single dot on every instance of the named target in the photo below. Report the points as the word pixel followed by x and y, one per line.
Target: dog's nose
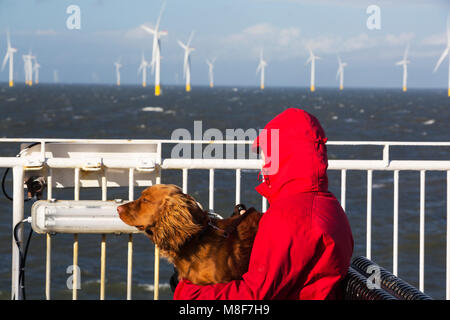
pixel 120 210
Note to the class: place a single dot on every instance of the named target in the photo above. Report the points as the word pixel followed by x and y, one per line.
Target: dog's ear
pixel 180 218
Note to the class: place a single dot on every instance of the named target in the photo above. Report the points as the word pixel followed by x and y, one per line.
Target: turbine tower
pixel 143 69
pixel 28 67
pixel 118 66
pixel 445 54
pixel 340 73
pixel 261 67
pixel 210 64
pixel 404 63
pixel 187 61
pixel 9 55
pixel 312 59
pixel 156 53
pixel 36 70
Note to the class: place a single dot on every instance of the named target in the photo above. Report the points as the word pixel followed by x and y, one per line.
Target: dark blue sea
pixel 132 112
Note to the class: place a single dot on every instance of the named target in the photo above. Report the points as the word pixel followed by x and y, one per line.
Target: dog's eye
pixel 145 200
pixel 148 231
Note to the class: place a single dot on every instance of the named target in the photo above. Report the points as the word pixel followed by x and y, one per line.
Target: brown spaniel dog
pixel 203 249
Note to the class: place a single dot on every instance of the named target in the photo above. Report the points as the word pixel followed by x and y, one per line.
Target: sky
pixel 234 32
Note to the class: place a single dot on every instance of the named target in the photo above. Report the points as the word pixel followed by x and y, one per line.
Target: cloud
pixel 47 32
pixel 402 38
pixel 435 40
pixel 288 43
pixel 138 33
pixel 277 42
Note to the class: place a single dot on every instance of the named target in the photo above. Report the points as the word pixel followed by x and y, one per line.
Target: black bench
pixel 368 281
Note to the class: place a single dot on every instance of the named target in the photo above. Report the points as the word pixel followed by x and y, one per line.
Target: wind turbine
pixel 55 76
pixel 187 61
pixel 261 67
pixel 312 59
pixel 118 66
pixel 36 70
pixel 28 67
pixel 445 54
pixel 9 55
pixel 340 73
pixel 143 69
pixel 404 63
pixel 210 64
pixel 156 54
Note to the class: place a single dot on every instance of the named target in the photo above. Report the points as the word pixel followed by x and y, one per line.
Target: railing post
pixel 156 265
pixel 395 225
pixel 211 189
pixel 369 215
pixel 18 175
pixel 130 237
pixel 238 186
pixel 185 180
pixel 343 187
pixel 48 259
pixel 422 232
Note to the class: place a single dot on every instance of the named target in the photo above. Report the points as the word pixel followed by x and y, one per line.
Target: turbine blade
pixel 405 55
pixel 8 39
pixel 441 59
pixel 5 59
pixel 149 30
pixel 448 30
pixel 159 17
pixel 182 44
pixel 191 36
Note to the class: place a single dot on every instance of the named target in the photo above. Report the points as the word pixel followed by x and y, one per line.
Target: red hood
pixel 302 155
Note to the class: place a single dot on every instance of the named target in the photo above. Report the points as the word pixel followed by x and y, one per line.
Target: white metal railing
pixel 40 159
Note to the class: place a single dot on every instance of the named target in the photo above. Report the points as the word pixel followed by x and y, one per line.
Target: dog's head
pixel 166 215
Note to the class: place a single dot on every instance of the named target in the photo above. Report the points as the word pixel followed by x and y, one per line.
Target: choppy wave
pixel 154 109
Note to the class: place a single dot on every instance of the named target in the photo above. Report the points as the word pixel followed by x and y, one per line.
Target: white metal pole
pixel 130 238
pixel 103 244
pixel 185 180
pixel 395 225
pixel 18 175
pixel 343 187
pixel 369 215
pixel 48 260
pixel 264 204
pixel 238 186
pixel 75 238
pixel 422 231
pixel 156 265
pixel 211 189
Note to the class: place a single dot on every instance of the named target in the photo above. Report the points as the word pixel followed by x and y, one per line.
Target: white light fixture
pixel 84 216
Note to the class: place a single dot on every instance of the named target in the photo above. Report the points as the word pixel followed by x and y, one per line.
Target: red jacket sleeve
pixel 281 255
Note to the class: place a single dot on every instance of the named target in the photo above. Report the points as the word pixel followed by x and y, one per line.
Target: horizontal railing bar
pixel 233 164
pixel 144 141
pixel 211 164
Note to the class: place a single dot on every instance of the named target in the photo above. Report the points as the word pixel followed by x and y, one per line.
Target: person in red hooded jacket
pixel 304 243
